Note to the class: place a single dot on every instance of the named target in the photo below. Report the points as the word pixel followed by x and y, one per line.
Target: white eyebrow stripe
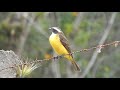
pixel 56 28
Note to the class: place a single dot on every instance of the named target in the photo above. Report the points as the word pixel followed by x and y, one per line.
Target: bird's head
pixel 55 30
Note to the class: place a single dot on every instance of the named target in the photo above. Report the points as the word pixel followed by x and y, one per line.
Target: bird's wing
pixel 65 42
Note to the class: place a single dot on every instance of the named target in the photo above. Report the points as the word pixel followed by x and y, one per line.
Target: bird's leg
pixel 57 57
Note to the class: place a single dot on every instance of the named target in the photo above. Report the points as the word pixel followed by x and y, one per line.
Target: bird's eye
pixel 55 31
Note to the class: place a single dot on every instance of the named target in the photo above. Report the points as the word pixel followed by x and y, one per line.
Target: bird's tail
pixel 77 68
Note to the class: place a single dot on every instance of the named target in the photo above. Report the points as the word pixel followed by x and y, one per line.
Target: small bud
pixel 99 49
pixel 116 43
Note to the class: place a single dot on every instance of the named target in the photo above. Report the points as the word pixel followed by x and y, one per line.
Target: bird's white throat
pixel 53 35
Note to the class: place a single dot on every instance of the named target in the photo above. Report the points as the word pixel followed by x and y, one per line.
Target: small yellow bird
pixel 61 46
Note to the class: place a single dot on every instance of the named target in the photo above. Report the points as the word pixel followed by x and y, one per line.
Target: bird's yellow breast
pixel 57 45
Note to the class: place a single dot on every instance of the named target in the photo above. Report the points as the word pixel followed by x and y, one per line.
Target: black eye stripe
pixel 55 31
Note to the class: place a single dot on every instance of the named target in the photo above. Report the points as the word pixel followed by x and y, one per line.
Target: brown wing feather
pixel 65 42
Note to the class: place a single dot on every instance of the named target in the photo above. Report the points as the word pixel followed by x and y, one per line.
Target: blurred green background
pixel 26 33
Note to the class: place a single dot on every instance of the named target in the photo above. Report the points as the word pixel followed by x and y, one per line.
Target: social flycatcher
pixel 61 46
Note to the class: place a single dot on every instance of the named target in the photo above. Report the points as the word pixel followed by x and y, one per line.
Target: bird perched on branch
pixel 61 46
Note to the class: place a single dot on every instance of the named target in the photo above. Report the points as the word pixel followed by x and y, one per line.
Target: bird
pixel 61 46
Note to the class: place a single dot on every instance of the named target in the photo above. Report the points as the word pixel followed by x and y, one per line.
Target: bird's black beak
pixel 50 29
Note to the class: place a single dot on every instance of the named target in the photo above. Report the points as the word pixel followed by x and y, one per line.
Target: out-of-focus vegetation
pixel 26 33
